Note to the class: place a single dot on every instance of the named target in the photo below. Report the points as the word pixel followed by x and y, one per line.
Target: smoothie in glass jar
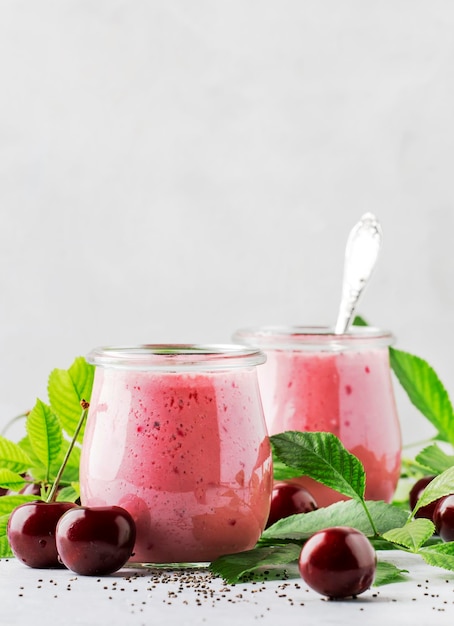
pixel 314 380
pixel 176 435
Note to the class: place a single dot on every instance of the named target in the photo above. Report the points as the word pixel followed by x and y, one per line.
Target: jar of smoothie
pixel 176 435
pixel 315 380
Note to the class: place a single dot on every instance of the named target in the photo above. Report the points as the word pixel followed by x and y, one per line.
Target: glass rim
pixel 176 357
pixel 313 337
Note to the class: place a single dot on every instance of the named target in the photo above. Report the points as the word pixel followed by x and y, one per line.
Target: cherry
pixel 94 541
pixel 288 499
pixel 443 518
pixel 31 532
pixel 32 526
pixel 415 493
pixel 338 562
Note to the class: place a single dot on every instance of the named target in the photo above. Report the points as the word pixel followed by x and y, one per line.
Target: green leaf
pixel 44 433
pixel 359 321
pixel 36 470
pixel 5 550
pixel 348 513
pixel 381 544
pixel 26 446
pixel 413 535
pixel 322 457
pixel 439 555
pixel 66 388
pixel 68 494
pixel 281 471
pixel 8 503
pixel 410 469
pixel 387 573
pixel 40 473
pixel 13 457
pixel 233 567
pixel 441 485
pixel 435 459
pixel 71 471
pixel 425 391
pixel 11 480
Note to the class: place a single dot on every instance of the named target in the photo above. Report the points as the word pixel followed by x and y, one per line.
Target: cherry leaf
pixel 441 485
pixel 348 513
pixel 66 389
pixel 439 555
pixel 425 390
pixel 434 459
pixel 44 433
pixel 323 457
pixel 387 573
pixel 11 480
pixel 413 535
pixel 233 567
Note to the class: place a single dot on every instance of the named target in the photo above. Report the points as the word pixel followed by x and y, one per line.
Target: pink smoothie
pixel 338 386
pixel 186 454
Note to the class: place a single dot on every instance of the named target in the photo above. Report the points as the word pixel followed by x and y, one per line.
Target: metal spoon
pixel 361 253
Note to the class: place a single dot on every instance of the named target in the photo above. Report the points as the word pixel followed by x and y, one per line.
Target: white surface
pixel 171 170
pixel 131 598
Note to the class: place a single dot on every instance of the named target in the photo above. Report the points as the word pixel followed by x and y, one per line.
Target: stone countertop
pixel 139 597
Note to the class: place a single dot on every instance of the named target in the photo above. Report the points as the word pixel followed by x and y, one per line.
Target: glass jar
pixel 176 435
pixel 314 380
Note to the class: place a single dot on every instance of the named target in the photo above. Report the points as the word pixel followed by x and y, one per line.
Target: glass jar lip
pixel 313 338
pixel 176 357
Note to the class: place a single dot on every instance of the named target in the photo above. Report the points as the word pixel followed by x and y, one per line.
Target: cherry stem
pixel 369 517
pixel 418 444
pixel 13 421
pixel 53 492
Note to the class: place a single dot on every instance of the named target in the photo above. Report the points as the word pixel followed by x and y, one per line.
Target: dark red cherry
pixel 443 518
pixel 288 499
pixel 414 495
pixel 95 541
pixel 338 562
pixel 31 532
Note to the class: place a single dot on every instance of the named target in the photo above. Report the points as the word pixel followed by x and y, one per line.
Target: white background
pixel 171 170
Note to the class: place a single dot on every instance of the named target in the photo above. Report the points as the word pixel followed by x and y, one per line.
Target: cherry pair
pixel 88 541
pixel 440 512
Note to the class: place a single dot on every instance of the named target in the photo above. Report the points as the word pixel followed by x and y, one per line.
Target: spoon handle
pixel 361 253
